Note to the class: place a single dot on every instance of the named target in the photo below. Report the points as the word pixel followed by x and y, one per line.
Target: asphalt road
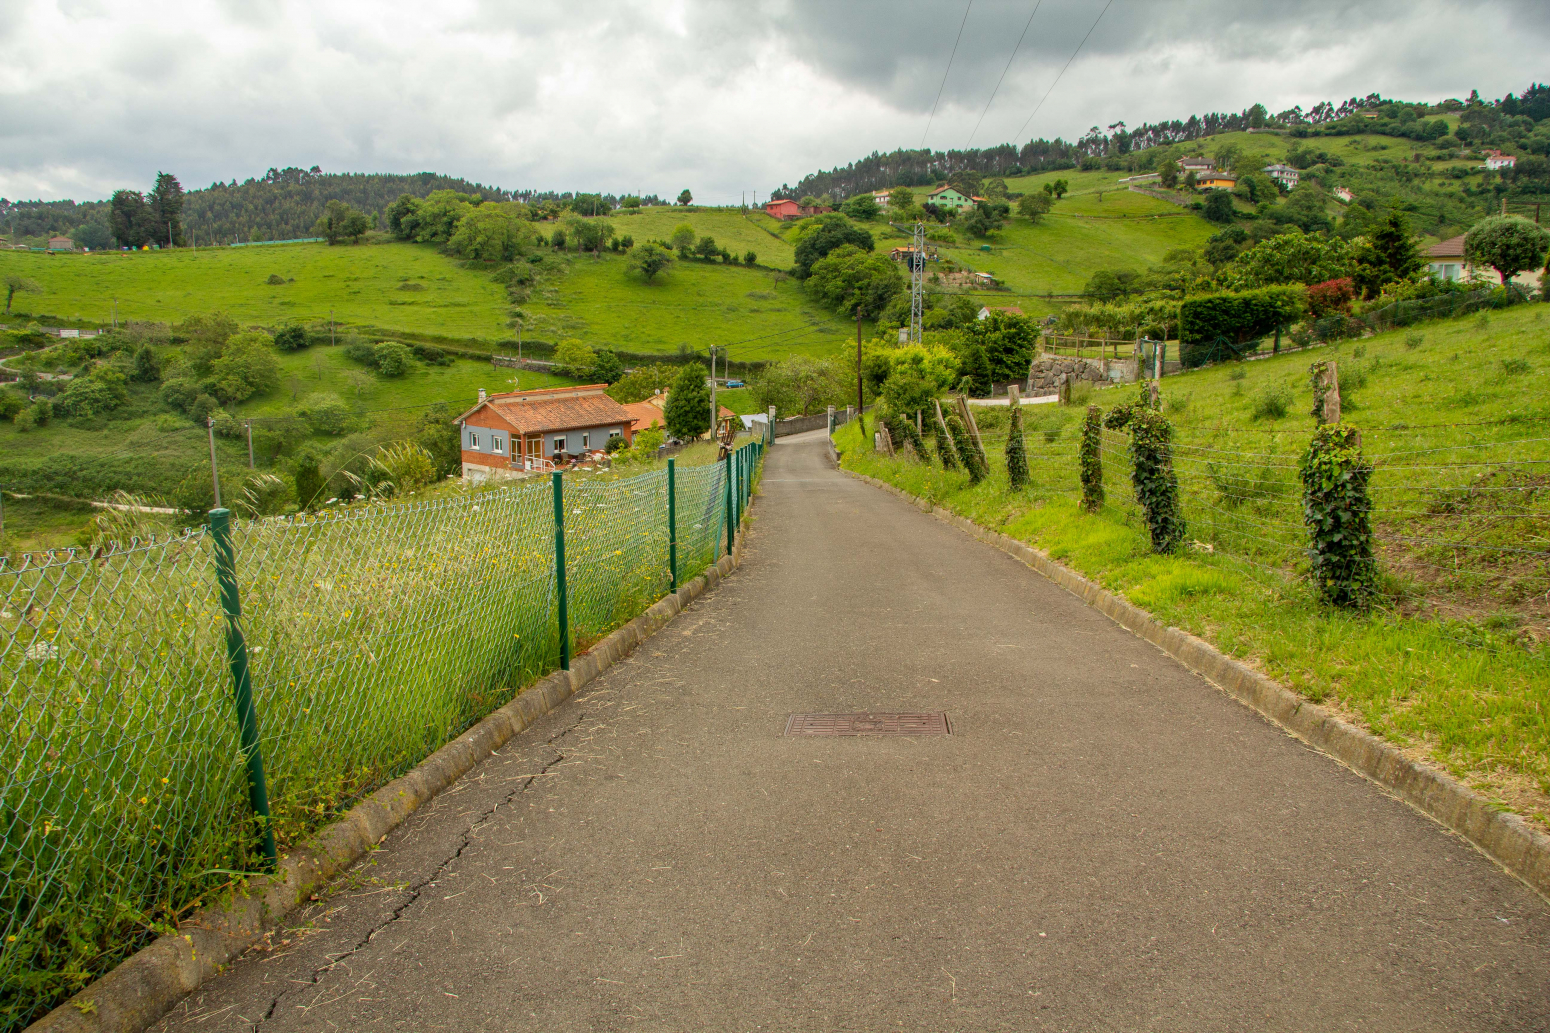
pixel 1105 842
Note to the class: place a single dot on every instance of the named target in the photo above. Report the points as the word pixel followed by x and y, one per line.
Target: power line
pixel 1008 68
pixel 949 68
pixel 1075 52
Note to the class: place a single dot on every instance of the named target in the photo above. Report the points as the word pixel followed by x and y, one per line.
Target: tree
pixel 650 258
pixel 1389 256
pixel 146 369
pixel 340 220
pixel 849 279
pixel 688 404
pixel 490 233
pixel 862 207
pixel 246 367
pixel 1111 284
pixel 707 248
pixel 642 382
pixel 129 217
pixel 573 358
pixel 1031 206
pixel 1219 207
pixel 1507 243
pixel 607 368
pixel 165 204
pixel 984 219
pixel 1168 174
pixel 16 284
pixel 830 235
pixel 750 257
pixel 982 379
pixel 901 199
pixel 1292 258
pixel 1257 116
pixel 682 239
pixel 685 198
pixel 802 385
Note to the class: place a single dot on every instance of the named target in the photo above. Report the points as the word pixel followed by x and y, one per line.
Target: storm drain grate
pixel 868 724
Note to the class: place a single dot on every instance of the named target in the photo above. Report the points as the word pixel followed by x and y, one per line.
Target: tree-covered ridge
pixel 1510 121
pixel 283 204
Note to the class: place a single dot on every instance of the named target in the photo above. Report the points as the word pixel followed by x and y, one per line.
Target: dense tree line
pixel 283 204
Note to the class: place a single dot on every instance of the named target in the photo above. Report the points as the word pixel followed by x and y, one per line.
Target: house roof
pixel 1453 247
pixel 1279 168
pixel 945 189
pixel 1196 163
pixel 650 411
pixel 1011 310
pixel 555 408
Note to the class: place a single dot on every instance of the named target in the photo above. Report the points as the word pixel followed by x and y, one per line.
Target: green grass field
pixel 1454 664
pixel 759 313
pixel 734 230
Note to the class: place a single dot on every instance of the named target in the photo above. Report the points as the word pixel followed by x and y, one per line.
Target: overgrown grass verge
pixel 1470 694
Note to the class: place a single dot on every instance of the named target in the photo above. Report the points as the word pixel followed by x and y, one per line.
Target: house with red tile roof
pixel 522 432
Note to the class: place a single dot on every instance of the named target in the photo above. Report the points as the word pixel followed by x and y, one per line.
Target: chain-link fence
pixel 372 636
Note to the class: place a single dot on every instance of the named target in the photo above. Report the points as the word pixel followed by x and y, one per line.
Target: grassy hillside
pixel 1454 663
pixel 733 229
pixel 359 285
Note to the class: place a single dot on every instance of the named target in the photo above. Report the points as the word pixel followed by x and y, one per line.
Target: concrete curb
pixel 149 983
pixel 1505 838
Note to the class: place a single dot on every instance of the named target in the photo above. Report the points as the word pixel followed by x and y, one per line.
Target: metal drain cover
pixel 868 724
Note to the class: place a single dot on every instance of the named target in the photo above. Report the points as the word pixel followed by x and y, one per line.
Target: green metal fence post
pixel 672 523
pixel 726 477
pixel 559 568
pixel 737 492
pixel 241 679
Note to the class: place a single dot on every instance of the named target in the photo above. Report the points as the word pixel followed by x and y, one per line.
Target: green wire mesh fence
pixel 373 636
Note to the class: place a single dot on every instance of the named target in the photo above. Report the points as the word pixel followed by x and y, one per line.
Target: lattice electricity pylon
pixel 917 279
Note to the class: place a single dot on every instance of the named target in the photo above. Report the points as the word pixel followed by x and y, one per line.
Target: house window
pixel 586 439
pixel 473 441
pixel 559 445
pixel 615 433
pixel 496 445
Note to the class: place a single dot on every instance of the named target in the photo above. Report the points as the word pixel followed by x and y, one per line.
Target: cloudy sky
pixel 718 96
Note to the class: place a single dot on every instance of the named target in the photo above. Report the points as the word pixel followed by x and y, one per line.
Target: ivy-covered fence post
pixel 945 449
pixel 1338 513
pixel 1151 472
pixel 1016 448
pixel 973 460
pixel 1092 460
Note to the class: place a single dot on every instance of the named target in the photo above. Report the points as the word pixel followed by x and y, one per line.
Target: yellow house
pixel 1216 181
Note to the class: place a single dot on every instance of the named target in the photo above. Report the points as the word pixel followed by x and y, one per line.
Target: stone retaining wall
pixel 1046 372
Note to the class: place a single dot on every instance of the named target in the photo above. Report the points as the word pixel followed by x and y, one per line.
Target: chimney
pixel 481 394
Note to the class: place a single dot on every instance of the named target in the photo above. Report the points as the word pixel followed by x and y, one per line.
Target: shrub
pixel 146 369
pixel 95 395
pixel 275 279
pixel 431 354
pixel 390 358
pixel 325 412
pixel 1414 340
pixel 1156 483
pixel 291 338
pixel 1331 296
pixel 1213 326
pixel 202 409
pixel 11 403
pixel 1273 402
pixel 1515 367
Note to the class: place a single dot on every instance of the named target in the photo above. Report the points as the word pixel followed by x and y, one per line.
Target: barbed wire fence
pixel 367 637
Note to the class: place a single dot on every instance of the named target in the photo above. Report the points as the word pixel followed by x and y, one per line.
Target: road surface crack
pixel 521 786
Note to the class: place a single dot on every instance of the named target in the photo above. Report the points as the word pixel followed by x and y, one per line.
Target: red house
pixel 519 432
pixel 783 209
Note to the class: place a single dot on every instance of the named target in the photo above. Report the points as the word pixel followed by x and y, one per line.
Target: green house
pixel 947 197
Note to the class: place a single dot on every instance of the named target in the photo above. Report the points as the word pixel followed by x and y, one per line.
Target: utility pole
pixel 250 445
pixel 714 411
pixel 917 280
pixel 859 397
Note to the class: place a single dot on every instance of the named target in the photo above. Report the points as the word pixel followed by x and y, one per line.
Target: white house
pixel 881 197
pixel 1343 195
pixel 1283 174
pixel 1446 261
pixel 1199 166
pixel 1496 160
pixel 1011 310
